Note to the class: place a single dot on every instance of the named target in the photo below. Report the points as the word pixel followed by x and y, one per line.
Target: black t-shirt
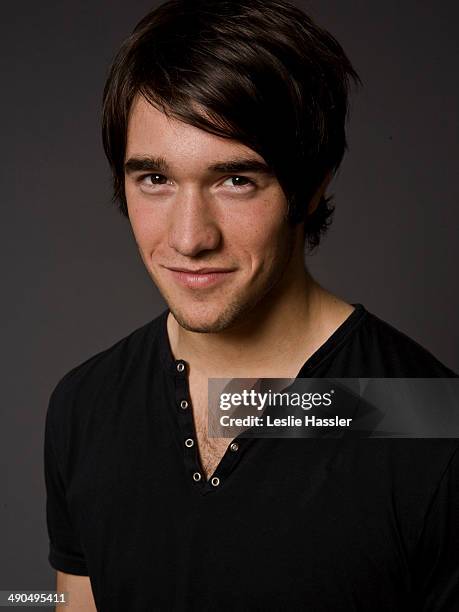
pixel 288 524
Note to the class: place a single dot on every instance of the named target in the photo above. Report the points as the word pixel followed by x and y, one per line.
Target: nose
pixel 193 227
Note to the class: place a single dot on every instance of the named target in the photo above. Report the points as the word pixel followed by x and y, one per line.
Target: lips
pixel 201 270
pixel 200 279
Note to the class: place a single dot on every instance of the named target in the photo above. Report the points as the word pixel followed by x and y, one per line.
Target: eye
pixel 156 179
pixel 240 182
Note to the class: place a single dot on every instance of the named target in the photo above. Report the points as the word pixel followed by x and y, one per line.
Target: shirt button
pixel 180 366
pixel 184 404
pixel 234 447
pixel 215 481
pixel 197 476
pixel 189 442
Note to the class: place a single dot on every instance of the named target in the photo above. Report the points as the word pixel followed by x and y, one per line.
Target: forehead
pixel 151 132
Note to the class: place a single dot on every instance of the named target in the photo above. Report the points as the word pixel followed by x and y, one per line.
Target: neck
pixel 296 323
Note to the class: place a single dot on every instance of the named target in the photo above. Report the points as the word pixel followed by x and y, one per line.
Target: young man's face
pixel 191 216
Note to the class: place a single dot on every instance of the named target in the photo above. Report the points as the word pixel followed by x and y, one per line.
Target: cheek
pixel 264 245
pixel 146 224
pixel 143 230
pixel 261 227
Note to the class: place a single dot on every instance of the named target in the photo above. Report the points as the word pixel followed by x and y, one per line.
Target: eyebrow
pixel 159 164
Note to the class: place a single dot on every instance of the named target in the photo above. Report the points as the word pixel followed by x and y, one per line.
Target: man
pixel 223 123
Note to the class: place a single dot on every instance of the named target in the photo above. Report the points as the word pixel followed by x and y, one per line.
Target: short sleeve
pixel 437 557
pixel 65 553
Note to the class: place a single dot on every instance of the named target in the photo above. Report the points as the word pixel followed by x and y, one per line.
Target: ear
pixel 313 204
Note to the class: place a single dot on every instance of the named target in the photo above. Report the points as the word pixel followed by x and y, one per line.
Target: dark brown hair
pixel 260 71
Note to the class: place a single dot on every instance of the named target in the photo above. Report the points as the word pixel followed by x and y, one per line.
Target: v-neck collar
pixel 240 445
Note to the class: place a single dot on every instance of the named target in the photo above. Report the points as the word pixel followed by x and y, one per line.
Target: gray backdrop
pixel 73 281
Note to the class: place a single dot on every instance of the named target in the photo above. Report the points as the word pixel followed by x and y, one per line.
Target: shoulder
pixel 110 362
pixel 97 378
pixel 390 352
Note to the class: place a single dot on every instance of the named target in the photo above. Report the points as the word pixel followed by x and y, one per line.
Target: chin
pixel 203 319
